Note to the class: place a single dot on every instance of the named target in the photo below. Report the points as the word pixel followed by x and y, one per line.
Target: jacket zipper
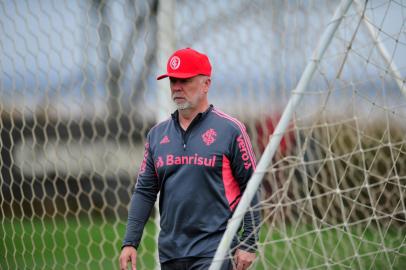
pixel 188 131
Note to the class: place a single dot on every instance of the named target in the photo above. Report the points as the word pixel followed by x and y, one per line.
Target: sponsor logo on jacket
pixel 144 161
pixel 244 153
pixel 186 160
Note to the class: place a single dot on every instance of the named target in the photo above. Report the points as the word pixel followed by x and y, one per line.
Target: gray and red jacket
pixel 200 174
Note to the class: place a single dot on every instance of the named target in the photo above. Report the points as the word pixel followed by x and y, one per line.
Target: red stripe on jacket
pixel 231 187
pixel 244 134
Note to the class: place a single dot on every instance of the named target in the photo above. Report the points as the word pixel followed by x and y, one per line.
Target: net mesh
pixel 78 96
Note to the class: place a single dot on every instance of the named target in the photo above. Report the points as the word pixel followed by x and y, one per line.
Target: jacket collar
pixel 201 115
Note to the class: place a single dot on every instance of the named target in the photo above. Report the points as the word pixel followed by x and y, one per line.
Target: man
pixel 200 161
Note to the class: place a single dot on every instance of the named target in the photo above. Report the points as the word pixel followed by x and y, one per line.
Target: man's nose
pixel 176 86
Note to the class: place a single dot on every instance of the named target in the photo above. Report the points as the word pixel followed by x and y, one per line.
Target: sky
pixel 258 49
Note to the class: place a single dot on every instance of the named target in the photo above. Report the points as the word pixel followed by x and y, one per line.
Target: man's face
pixel 189 93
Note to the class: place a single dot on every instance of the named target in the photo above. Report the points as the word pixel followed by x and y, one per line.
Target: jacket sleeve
pixel 243 164
pixel 142 200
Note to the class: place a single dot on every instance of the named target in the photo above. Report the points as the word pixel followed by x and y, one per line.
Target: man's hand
pixel 128 253
pixel 243 259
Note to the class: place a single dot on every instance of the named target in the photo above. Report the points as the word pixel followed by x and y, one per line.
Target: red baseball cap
pixel 187 63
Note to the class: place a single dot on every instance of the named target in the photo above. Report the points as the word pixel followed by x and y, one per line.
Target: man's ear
pixel 207 83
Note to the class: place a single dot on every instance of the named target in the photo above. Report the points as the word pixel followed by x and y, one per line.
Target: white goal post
pixel 275 139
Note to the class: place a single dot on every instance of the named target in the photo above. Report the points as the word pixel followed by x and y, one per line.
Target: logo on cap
pixel 175 62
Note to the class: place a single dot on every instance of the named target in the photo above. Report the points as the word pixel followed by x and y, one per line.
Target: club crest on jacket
pixel 209 136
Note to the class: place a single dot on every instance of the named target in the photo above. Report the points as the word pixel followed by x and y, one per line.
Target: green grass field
pixel 81 244
pixel 305 248
pixel 68 245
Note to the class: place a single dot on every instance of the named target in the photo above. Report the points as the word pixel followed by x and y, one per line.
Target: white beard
pixel 184 105
pixel 188 104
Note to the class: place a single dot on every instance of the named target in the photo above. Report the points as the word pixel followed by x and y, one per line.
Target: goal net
pixel 78 95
